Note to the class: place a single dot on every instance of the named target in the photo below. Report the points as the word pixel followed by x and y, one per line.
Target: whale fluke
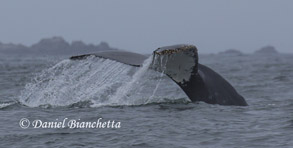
pixel 180 63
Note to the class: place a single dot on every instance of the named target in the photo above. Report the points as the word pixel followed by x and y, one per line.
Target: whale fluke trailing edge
pixel 180 63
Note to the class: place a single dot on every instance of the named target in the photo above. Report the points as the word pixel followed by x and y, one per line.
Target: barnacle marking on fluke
pixel 176 50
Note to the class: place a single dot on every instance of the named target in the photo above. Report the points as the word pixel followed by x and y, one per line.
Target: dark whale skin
pixel 212 88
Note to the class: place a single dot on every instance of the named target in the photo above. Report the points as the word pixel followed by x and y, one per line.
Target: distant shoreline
pixel 54 46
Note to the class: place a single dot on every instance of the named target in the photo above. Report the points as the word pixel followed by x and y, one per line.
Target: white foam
pixel 3 105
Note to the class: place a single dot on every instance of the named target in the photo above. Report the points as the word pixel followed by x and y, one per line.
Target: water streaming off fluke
pixel 100 82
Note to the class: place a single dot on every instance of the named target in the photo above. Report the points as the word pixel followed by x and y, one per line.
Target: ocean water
pixel 148 109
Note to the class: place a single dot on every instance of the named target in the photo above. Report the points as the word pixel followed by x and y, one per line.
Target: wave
pixel 6 104
pixel 99 82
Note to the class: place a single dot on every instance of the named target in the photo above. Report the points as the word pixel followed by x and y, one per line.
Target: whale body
pixel 180 63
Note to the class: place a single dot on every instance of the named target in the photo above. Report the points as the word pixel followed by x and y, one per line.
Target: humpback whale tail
pixel 180 63
pixel 200 83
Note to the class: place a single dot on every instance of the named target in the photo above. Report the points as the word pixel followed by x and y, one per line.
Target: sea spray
pixel 99 82
pixel 163 65
pixel 71 81
pixel 123 91
pixel 6 104
pixel 148 86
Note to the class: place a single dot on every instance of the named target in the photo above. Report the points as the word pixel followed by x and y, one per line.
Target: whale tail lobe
pixel 200 83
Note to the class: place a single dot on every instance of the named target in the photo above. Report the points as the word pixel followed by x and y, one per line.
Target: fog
pixel 142 26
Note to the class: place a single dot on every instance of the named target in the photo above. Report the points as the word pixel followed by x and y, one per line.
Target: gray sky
pixel 142 26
